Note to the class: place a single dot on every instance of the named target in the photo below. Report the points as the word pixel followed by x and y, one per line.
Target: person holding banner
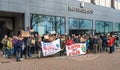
pixel 77 40
pixel 82 39
pixel 32 50
pixel 69 41
pixel 62 43
pixel 39 46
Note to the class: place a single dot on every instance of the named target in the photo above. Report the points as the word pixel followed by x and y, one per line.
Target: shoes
pixel 18 60
pixel 4 56
pixel 21 59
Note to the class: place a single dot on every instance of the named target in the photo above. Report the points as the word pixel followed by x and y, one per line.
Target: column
pixel 67 26
pixel 27 20
pixel 113 26
pixel 93 1
pixel 93 33
pixel 113 4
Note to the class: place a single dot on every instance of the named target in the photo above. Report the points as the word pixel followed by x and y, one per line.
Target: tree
pixel 59 21
pixel 78 23
pixel 35 19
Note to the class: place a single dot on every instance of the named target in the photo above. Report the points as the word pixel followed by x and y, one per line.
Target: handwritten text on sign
pixel 76 49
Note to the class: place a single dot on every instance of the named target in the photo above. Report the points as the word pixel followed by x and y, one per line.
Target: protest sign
pixel 76 49
pixel 51 47
pixel 25 34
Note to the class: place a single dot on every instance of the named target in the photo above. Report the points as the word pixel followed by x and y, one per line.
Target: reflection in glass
pixel 117 27
pixel 103 27
pixel 45 24
pixel 80 23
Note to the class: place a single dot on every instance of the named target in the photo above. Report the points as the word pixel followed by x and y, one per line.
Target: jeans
pixel 113 48
pixel 4 50
pixel 8 52
pixel 95 47
pixel 18 54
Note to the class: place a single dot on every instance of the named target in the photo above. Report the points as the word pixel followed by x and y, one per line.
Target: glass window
pixel 45 24
pixel 86 24
pixel 103 27
pixel 89 1
pixel 108 3
pixel 80 23
pixel 102 2
pixel 116 27
pixel 119 5
pixel 74 23
pixel 97 2
pixel 116 4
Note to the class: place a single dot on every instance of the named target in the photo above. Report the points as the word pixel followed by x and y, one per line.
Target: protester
pixel 76 39
pixel 32 44
pixel 105 43
pixel 100 44
pixel 39 46
pixel 82 39
pixel 63 45
pixel 15 39
pixel 28 47
pixel 9 47
pixel 36 41
pixel 19 49
pixel 110 43
pixel 95 43
pixel 32 50
pixel 4 42
pixel 69 41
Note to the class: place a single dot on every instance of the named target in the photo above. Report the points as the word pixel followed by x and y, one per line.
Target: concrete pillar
pixel 67 26
pixel 113 4
pixel 113 27
pixel 93 28
pixel 27 20
pixel 93 1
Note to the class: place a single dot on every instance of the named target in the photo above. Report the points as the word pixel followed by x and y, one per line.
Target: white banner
pixel 51 47
pixel 76 49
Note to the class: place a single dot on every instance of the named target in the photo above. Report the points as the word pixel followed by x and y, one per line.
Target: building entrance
pixel 10 23
pixel 79 31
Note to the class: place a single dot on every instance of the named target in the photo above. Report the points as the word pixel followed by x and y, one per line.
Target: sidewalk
pixel 99 61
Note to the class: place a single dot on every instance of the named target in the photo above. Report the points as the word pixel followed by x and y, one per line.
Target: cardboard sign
pixel 25 34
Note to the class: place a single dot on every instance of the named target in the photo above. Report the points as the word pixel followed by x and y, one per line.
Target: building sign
pixel 82 10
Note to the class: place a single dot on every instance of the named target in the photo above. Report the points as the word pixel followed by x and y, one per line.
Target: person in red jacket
pixel 69 41
pixel 111 41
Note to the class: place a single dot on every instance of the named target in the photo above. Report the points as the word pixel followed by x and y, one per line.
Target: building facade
pixel 61 16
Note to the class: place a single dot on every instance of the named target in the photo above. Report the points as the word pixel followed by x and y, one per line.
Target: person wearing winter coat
pixel 4 43
pixel 9 47
pixel 19 48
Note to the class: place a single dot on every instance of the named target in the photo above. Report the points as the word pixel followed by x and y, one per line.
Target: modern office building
pixel 62 16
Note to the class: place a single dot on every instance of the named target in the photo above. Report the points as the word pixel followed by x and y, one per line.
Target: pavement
pixel 99 61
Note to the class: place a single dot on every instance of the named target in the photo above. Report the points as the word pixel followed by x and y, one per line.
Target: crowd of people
pixel 17 46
